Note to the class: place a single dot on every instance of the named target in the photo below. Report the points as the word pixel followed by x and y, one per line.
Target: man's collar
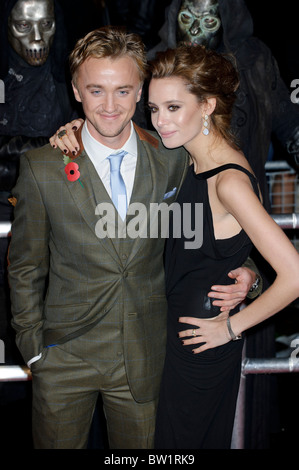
pixel 142 134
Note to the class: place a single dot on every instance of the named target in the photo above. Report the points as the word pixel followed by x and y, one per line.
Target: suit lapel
pixel 87 193
pixel 149 187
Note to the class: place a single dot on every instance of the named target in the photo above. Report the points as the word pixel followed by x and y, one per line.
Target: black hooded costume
pixel 36 97
pixel 36 103
pixel 263 107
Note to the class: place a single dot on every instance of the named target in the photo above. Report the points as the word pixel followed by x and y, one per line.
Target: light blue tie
pixel 118 187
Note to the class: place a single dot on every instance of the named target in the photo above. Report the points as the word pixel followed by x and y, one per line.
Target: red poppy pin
pixel 72 170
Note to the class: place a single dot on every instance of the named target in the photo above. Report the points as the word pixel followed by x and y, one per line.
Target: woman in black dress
pixel 191 95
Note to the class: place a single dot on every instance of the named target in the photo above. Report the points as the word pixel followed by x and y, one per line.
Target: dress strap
pixel 208 174
pixel 227 166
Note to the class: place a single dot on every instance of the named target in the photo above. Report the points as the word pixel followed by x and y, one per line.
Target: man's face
pixel 108 90
pixel 199 23
pixel 31 29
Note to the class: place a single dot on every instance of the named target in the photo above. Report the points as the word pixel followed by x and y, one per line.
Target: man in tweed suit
pixel 90 312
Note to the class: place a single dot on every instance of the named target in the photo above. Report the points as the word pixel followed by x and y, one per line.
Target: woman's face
pixel 176 114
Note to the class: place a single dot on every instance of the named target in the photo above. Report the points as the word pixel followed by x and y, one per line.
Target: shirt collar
pixel 99 151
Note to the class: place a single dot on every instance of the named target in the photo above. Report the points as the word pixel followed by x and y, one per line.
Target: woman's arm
pixel 238 198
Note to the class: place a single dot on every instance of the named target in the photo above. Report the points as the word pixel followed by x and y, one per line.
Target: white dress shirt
pixel 98 154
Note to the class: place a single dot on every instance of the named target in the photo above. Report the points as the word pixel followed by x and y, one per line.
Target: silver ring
pixel 193 332
pixel 61 134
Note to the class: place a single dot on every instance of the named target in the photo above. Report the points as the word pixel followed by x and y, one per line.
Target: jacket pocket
pixel 67 313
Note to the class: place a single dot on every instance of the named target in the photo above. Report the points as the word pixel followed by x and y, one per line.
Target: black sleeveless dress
pixel 199 391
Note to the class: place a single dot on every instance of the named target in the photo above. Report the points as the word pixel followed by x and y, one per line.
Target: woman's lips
pixel 166 135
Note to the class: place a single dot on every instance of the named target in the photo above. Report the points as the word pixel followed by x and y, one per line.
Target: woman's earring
pixel 206 125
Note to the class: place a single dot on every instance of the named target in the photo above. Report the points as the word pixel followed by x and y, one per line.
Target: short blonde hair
pixel 112 42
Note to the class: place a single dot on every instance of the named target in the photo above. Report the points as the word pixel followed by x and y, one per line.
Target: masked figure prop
pixel 36 101
pixel 199 23
pixel 32 66
pixel 263 106
pixel 31 29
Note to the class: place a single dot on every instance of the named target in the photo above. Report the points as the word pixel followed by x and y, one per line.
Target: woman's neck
pixel 207 152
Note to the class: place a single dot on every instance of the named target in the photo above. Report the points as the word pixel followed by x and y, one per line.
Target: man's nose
pixel 109 103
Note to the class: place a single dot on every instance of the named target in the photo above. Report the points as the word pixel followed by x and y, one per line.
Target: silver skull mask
pixel 31 29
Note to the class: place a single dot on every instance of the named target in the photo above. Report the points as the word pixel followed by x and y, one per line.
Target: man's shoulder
pixel 44 162
pixel 44 154
pixel 147 136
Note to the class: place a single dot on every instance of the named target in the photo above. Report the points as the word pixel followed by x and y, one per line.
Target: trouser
pixel 65 391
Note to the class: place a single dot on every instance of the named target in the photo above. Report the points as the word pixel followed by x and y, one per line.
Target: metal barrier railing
pixel 14 373
pixel 256 366
pixel 270 366
pixel 284 197
pixel 262 366
pixel 5 228
pixel 283 187
pixel 287 221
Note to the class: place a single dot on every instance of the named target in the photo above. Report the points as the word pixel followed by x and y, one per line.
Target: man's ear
pixel 139 94
pixel 76 93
